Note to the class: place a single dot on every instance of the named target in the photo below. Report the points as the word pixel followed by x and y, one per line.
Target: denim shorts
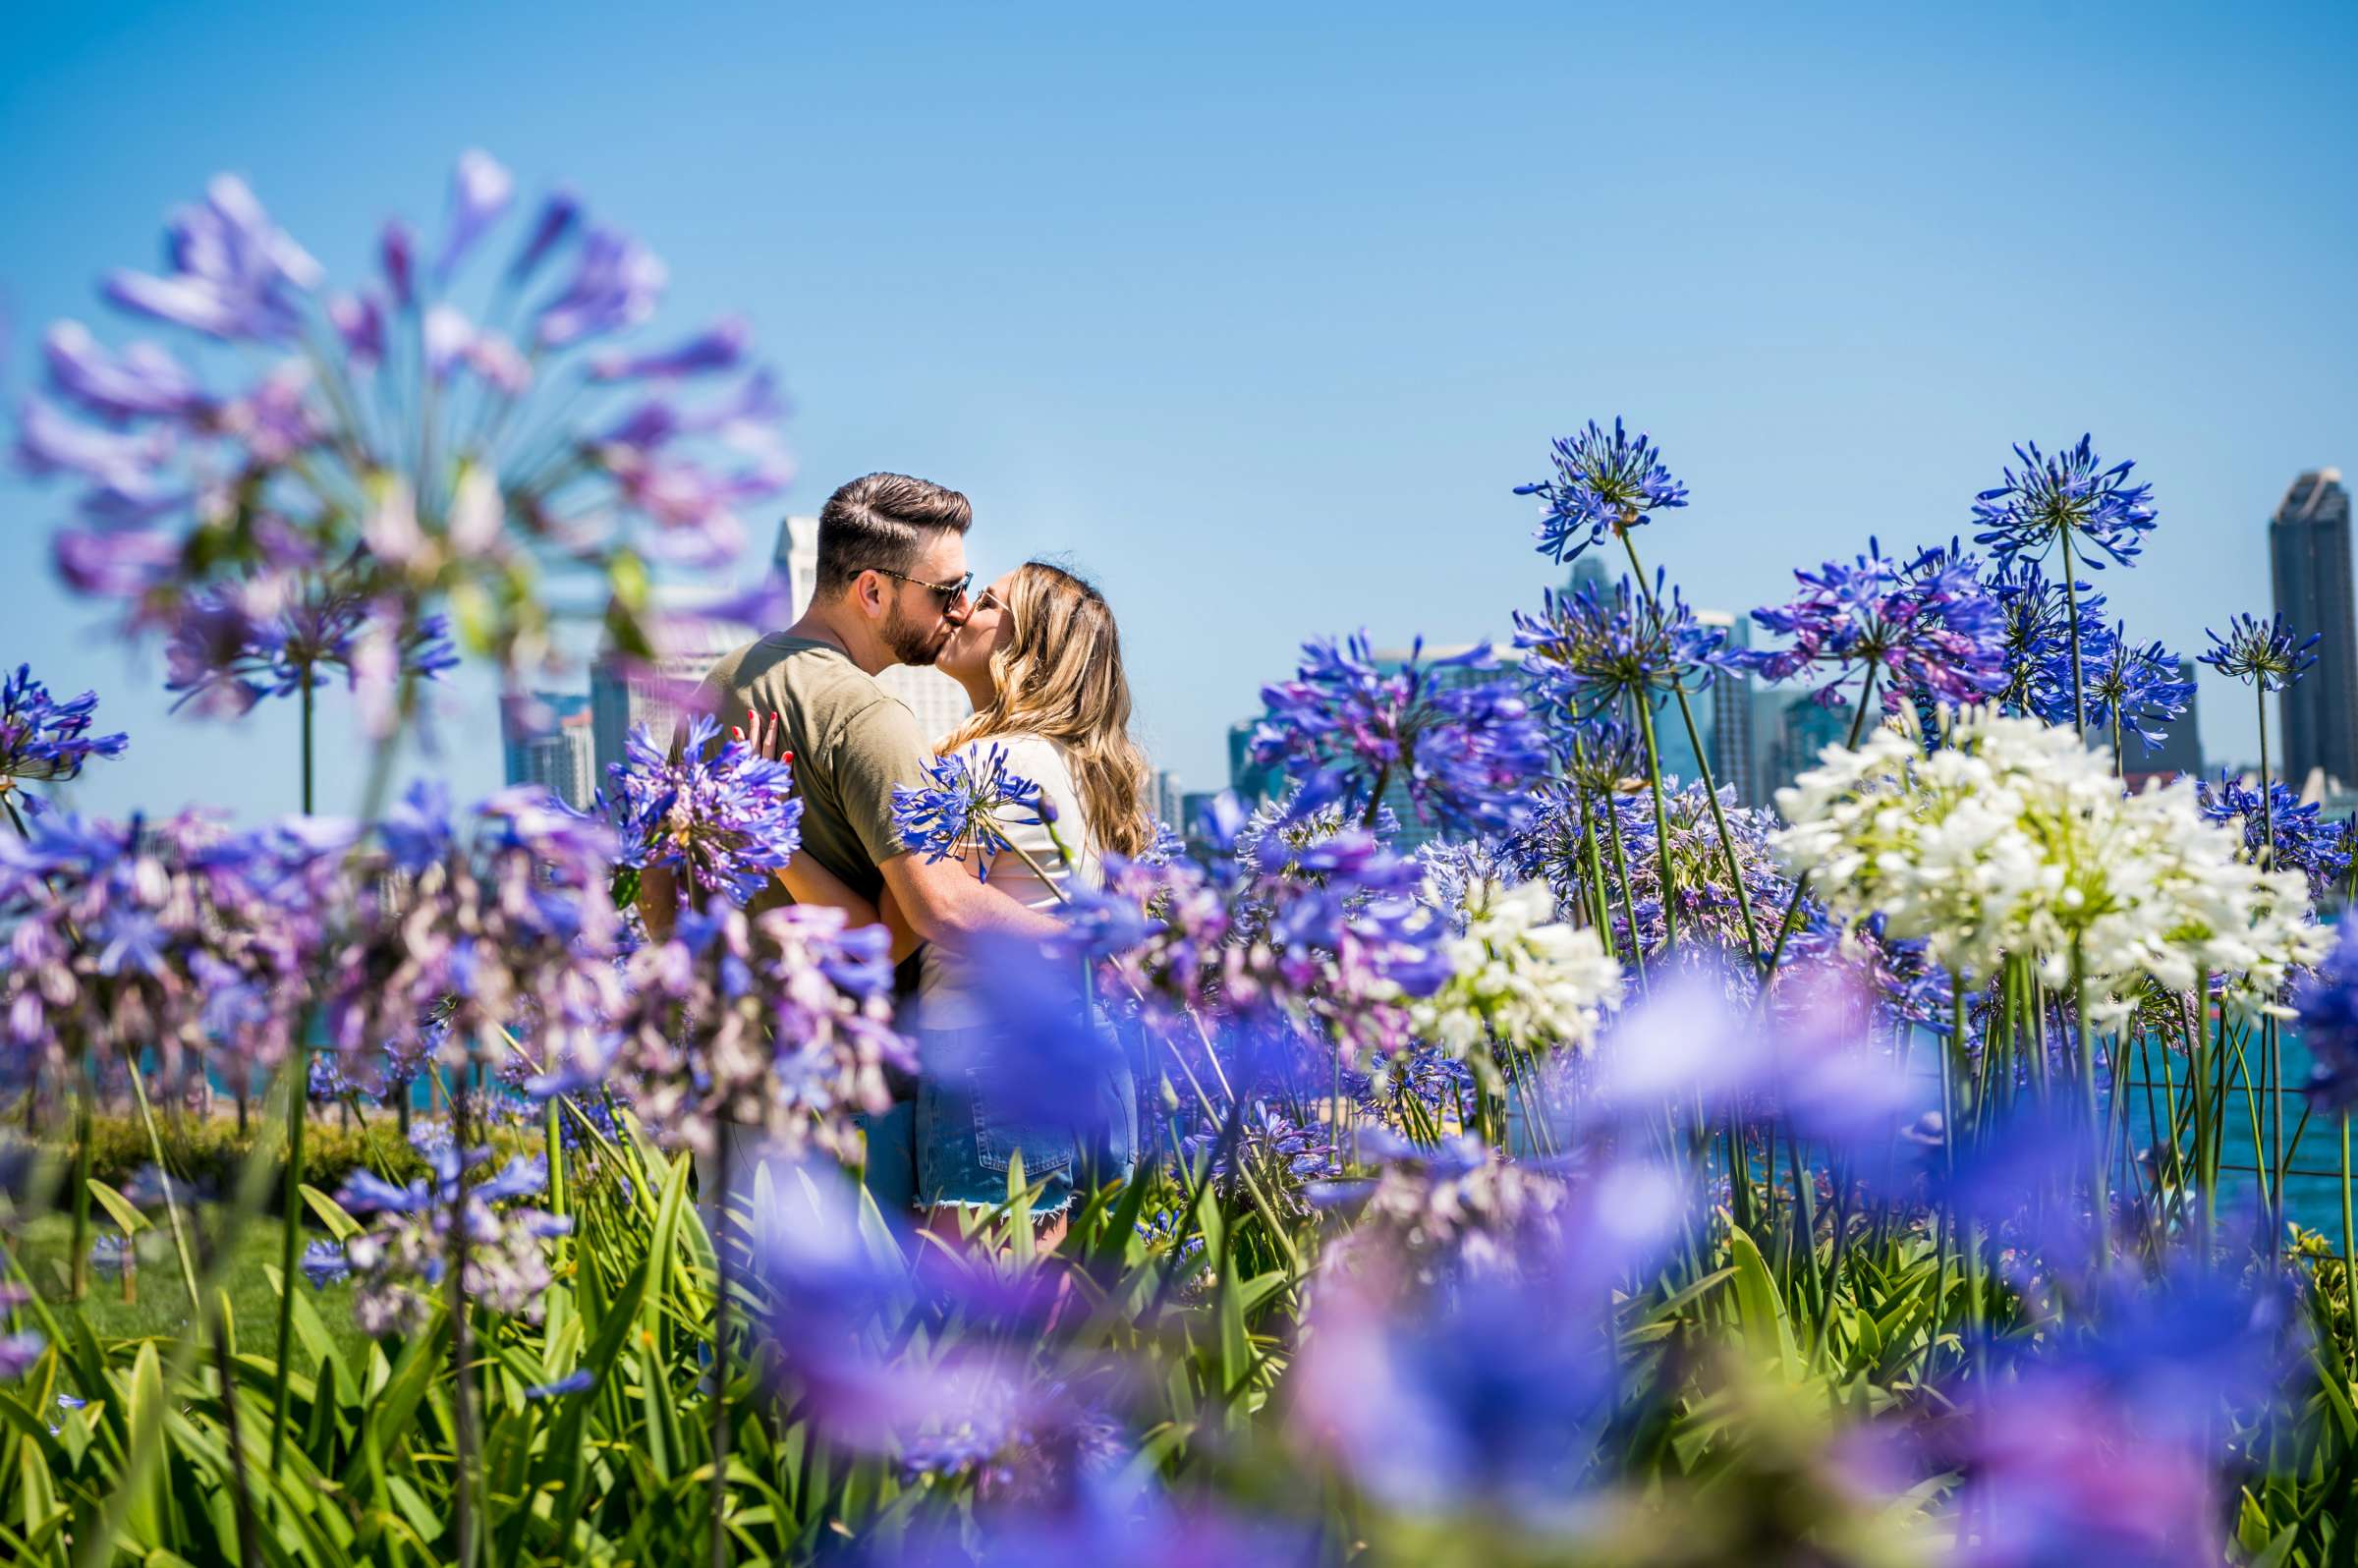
pixel 954 1143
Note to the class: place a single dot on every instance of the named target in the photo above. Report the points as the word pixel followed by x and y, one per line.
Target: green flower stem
pixel 1629 910
pixel 2099 1198
pixel 1703 767
pixel 720 1554
pixel 83 1130
pixel 146 1438
pixel 289 1244
pixel 2071 602
pixel 2349 1250
pixel 1662 829
pixel 462 1390
pixel 2271 1041
pixel 306 690
pixel 232 1425
pixel 156 1148
pixel 1599 911
pixel 1801 884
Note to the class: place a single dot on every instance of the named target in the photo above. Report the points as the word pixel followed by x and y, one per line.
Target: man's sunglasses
pixel 949 593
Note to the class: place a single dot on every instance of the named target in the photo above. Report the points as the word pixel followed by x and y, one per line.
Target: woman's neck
pixel 979 690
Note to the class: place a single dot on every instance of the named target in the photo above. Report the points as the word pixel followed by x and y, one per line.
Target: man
pixel 892 584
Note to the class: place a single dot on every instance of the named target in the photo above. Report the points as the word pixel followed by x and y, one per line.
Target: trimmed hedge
pixel 207 1154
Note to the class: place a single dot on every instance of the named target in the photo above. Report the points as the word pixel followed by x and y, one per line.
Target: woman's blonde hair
pixel 1061 675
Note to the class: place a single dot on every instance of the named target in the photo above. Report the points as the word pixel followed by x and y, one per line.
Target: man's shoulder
pixel 819 671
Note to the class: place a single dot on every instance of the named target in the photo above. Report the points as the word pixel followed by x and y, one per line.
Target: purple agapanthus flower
pixel 1455 734
pixel 580 1383
pixel 2070 499
pixel 1926 626
pixel 235 275
pixel 323 1263
pixel 299 440
pixel 1587 653
pixel 42 738
pixel 19 1352
pixel 2037 636
pixel 2328 1003
pixel 173 937
pixel 968 808
pixel 231 649
pixel 722 818
pixel 2262 653
pixel 2136 686
pixel 1603 484
pixel 2306 840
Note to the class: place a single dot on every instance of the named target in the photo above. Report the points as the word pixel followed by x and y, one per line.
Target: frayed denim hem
pixel 1042 1210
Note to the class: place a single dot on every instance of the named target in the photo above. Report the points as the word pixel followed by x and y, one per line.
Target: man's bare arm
pixel 944 903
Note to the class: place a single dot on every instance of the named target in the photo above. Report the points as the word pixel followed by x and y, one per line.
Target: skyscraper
pixel 2309 552
pixel 1253 782
pixel 624 693
pixel 1805 727
pixel 561 759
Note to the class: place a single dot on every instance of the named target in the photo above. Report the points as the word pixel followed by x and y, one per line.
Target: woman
pixel 1042 661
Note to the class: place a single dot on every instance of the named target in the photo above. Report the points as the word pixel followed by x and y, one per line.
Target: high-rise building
pixel 1730 733
pixel 2308 553
pixel 1804 728
pixel 1253 782
pixel 561 758
pixel 1169 799
pixel 625 694
pixel 939 702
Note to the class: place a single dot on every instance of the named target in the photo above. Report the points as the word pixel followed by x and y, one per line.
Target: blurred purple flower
pixel 144 379
pixel 324 1263
pixel 721 348
pixel 479 192
pixel 561 213
pixel 235 275
pixel 19 1352
pixel 580 1383
pixel 2328 1003
pixel 615 284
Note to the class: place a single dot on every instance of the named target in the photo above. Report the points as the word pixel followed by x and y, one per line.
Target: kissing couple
pixel 1040 660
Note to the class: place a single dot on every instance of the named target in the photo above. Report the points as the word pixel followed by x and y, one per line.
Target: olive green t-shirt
pixel 851 742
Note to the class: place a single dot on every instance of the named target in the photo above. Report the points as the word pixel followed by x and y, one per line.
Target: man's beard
pixel 910 644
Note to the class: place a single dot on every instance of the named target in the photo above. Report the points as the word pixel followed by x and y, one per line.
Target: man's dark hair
pixel 879 523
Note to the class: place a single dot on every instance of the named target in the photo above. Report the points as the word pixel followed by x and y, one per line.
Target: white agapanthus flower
pixel 2013 838
pixel 1519 974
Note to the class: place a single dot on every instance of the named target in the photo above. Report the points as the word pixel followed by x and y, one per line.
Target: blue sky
pixel 1261 317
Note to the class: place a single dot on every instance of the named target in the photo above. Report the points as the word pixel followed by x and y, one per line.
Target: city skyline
pixel 1273 372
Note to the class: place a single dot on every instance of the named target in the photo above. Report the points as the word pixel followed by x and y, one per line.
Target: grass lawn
pixel 158 1306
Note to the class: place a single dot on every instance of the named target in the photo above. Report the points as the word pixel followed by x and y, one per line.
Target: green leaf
pixel 340 1225
pixel 119 1208
pixel 1758 1311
